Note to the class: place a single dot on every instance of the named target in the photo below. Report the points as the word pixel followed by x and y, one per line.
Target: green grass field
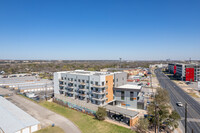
pixel 50 130
pixel 86 123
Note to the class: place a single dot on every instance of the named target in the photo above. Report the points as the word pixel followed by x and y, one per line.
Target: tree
pixel 101 113
pixel 142 125
pixel 174 117
pixel 162 96
pixel 161 106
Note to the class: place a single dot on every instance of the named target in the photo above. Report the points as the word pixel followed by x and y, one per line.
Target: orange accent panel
pixel 109 83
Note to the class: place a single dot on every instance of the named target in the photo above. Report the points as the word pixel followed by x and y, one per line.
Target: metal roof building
pixel 15 120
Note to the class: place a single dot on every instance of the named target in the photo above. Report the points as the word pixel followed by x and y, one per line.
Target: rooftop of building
pixel 88 73
pixel 35 86
pixel 123 111
pixel 12 118
pixel 23 81
pixel 130 87
pixel 193 64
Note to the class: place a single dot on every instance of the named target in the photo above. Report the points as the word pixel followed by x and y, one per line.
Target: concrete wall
pixel 120 79
pixel 56 78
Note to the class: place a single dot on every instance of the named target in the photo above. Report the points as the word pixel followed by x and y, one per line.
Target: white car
pixel 179 104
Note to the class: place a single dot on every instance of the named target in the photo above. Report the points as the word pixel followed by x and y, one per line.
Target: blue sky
pixel 100 29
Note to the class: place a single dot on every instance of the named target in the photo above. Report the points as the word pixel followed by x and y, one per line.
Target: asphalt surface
pixel 178 95
pixel 45 116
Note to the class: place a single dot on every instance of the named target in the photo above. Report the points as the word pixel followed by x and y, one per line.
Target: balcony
pixel 70 92
pixel 70 87
pixel 61 91
pixel 82 89
pixel 82 83
pixel 70 81
pixel 99 86
pixel 61 80
pixel 83 95
pixel 99 92
pixel 99 99
pixel 61 87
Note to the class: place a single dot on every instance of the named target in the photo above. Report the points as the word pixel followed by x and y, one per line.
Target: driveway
pixel 45 116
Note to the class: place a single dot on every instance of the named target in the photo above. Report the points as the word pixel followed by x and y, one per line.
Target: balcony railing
pixel 100 86
pixel 99 92
pixel 83 95
pixel 70 92
pixel 61 80
pixel 100 99
pixel 82 89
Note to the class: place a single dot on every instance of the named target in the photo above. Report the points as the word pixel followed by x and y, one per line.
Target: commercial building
pixel 27 84
pixel 15 120
pixel 91 86
pixel 186 72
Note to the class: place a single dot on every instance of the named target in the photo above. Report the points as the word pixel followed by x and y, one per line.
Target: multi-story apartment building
pixel 128 96
pixel 91 86
pixel 187 72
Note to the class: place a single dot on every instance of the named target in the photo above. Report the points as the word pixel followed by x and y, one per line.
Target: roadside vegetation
pixel 50 129
pixel 86 123
pixel 161 113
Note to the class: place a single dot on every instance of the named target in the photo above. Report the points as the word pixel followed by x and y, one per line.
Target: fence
pixel 75 107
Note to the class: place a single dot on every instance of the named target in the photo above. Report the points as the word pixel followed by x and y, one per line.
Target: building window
pixel 71 79
pixel 83 81
pixel 87 81
pixel 117 80
pixel 62 78
pixel 79 80
pixel 96 83
pixel 91 82
pixel 122 95
pixel 106 81
pixel 131 96
pixel 87 87
pixel 102 83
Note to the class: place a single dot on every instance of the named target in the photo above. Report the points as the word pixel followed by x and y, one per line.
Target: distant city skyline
pixel 99 30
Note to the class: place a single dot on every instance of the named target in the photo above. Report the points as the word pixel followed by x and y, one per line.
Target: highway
pixel 178 95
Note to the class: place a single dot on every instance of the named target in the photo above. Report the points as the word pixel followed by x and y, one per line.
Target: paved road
pixel 45 116
pixel 178 95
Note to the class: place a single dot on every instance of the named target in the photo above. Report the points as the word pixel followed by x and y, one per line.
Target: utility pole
pixel 158 121
pixel 185 117
pixel 155 118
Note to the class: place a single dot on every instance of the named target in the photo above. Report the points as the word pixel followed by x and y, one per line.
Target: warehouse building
pixel 185 72
pixel 27 84
pixel 15 120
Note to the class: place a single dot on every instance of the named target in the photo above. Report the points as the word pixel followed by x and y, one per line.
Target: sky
pixel 100 29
